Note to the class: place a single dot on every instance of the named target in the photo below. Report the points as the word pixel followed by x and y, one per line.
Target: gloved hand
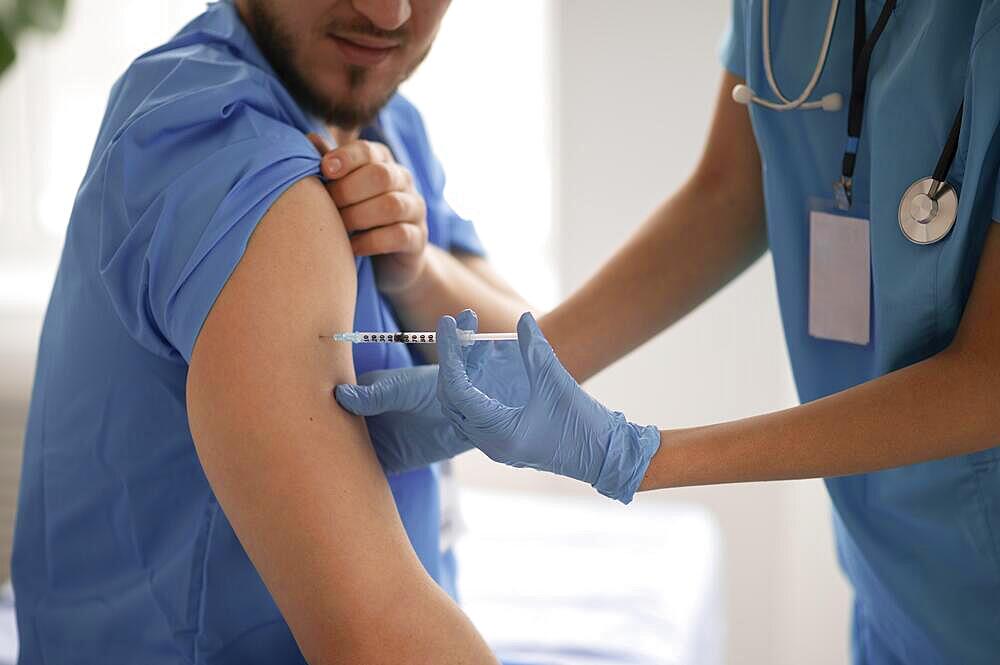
pixel 559 428
pixel 405 421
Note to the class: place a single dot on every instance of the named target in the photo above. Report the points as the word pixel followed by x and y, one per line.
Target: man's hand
pixel 381 208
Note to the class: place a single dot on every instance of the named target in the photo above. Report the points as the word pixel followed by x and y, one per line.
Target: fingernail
pixel 332 166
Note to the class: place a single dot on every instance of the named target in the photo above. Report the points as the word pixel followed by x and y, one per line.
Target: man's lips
pixel 363 51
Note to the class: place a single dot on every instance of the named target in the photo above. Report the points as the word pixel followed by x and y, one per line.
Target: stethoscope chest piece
pixel 927 211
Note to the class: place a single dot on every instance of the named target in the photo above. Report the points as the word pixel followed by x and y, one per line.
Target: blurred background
pixel 560 124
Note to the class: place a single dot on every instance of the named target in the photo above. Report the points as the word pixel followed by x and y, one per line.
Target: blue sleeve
pixel 733 50
pixel 185 187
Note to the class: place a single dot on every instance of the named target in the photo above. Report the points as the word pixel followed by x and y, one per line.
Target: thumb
pixel 535 350
pixel 451 356
pixel 455 389
pixel 361 400
pixel 467 320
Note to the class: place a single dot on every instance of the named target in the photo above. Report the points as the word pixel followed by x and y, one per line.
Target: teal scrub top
pixel 920 544
pixel 122 555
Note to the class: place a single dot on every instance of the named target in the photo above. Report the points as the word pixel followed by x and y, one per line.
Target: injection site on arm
pixel 295 473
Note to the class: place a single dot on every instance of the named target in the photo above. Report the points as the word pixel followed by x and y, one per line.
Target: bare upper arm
pixel 730 161
pixel 297 475
pixel 978 336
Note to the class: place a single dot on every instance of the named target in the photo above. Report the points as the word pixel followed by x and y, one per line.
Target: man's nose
pixel 385 14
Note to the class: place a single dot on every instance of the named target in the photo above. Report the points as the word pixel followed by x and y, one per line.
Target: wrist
pixel 629 452
pixel 559 327
pixel 417 290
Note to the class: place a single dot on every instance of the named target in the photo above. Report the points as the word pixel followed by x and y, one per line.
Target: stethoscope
pixel 928 207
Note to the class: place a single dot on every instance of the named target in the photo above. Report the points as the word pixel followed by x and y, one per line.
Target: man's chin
pixel 352 111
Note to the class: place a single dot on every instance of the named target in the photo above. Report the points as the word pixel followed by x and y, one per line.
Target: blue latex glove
pixel 559 428
pixel 405 421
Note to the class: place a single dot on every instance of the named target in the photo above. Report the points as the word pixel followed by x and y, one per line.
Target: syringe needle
pixel 466 337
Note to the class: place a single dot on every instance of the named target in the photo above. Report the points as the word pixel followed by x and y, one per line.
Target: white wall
pixel 488 110
pixel 636 86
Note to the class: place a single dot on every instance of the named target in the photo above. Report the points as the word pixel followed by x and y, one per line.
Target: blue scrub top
pixel 920 544
pixel 122 553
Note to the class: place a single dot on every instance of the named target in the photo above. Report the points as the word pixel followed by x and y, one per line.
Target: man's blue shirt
pixel 122 553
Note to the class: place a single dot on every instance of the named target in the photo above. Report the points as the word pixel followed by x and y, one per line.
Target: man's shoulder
pixel 189 77
pixel 210 70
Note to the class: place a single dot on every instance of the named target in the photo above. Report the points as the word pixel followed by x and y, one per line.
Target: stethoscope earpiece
pixel 742 94
pixel 832 102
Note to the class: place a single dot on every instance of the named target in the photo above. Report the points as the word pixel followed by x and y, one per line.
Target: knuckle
pixel 383 152
pixel 395 204
pixel 383 175
pixel 370 150
pixel 398 236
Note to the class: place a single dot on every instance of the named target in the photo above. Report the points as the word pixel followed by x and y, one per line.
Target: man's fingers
pixel 368 181
pixel 346 158
pixel 384 209
pixel 399 238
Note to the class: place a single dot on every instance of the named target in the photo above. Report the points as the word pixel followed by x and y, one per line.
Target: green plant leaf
pixel 17 16
pixel 6 52
pixel 43 14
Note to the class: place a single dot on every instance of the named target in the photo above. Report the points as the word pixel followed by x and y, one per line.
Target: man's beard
pixel 276 45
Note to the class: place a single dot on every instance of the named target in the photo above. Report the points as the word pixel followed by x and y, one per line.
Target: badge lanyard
pixel 929 206
pixel 864 44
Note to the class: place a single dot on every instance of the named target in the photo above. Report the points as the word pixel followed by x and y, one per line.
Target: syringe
pixel 465 337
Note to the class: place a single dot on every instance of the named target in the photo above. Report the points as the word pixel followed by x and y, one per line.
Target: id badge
pixel 839 273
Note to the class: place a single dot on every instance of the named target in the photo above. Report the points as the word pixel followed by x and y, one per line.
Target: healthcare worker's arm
pixel 697 241
pixel 945 405
pixel 296 474
pixel 707 233
pixel 940 407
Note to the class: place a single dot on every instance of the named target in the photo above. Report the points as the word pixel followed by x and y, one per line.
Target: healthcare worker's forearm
pixel 695 243
pixel 943 406
pixel 937 408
